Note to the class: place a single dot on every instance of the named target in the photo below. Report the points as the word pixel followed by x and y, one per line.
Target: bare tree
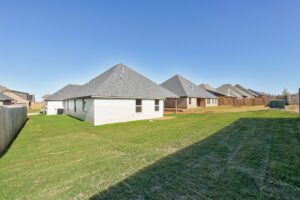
pixel 285 92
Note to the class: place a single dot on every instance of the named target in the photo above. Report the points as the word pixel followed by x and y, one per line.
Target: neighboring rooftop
pixel 65 92
pixel 118 82
pixel 246 91
pixel 256 92
pixel 185 88
pixel 23 95
pixel 3 97
pixel 211 89
pixel 2 88
pixel 230 90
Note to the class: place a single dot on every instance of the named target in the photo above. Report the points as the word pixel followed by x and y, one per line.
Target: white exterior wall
pixel 193 103
pixel 87 115
pixel 212 103
pixel 108 111
pixel 52 106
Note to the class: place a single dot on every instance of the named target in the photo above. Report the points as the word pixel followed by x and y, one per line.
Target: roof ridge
pixel 181 84
pixel 241 91
pixel 189 82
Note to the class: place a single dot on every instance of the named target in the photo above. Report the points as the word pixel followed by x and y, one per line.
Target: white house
pixel 191 95
pixel 118 95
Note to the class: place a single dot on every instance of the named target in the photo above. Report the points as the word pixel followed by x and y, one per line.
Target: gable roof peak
pixel 185 88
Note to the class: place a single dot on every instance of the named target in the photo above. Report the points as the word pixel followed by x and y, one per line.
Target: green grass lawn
pixel 249 155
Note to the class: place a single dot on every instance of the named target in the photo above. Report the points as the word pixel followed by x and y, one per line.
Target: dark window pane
pixel 138 109
pixel 138 102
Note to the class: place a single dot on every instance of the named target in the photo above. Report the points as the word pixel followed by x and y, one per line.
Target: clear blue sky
pixel 45 45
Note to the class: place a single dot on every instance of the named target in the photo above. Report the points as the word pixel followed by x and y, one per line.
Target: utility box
pixel 60 111
pixel 277 104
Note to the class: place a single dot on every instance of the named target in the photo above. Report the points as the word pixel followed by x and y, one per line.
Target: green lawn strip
pixel 190 156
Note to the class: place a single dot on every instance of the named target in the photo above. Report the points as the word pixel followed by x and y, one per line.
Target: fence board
pixel 227 101
pixel 12 118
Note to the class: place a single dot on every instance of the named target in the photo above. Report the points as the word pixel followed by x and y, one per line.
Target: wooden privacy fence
pixel 12 119
pixel 243 102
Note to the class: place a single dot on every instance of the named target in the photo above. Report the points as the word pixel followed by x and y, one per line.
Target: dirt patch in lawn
pixel 221 109
pixel 165 118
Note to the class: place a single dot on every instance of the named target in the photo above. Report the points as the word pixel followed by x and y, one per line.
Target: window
pixel 156 107
pixel 74 105
pixel 190 100
pixel 67 105
pixel 208 101
pixel 84 105
pixel 138 105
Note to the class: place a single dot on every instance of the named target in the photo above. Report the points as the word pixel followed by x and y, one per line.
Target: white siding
pixel 211 102
pixel 193 103
pixel 52 106
pixel 108 111
pixel 87 115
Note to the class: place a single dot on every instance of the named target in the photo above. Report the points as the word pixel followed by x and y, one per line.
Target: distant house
pixel 258 94
pixel 5 100
pixel 246 91
pixel 232 91
pixel 117 95
pixel 212 90
pixel 191 95
pixel 292 99
pixel 18 97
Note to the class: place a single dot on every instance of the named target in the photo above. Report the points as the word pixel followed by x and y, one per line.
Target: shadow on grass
pixel 12 140
pixel 253 158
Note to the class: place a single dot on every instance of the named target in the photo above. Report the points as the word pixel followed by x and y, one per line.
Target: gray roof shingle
pixel 118 82
pixel 185 88
pixel 232 91
pixel 256 92
pixel 249 93
pixel 211 89
pixel 64 93
pixel 3 97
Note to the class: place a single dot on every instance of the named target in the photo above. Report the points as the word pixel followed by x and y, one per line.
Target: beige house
pixel 16 97
pixel 191 95
pixel 5 100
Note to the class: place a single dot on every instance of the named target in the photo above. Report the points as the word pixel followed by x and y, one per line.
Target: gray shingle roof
pixel 64 93
pixel 117 82
pixel 211 89
pixel 3 97
pixel 249 93
pixel 230 90
pixel 185 88
pixel 256 92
